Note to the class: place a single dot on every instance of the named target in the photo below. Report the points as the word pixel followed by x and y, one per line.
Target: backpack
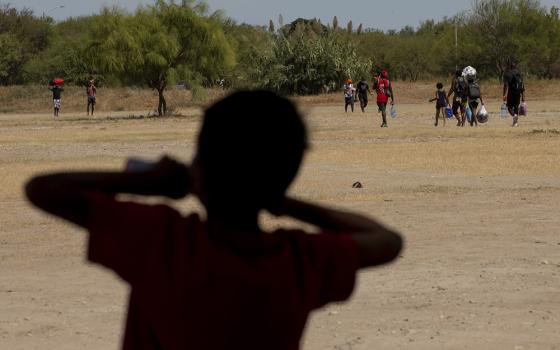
pixel 516 83
pixel 474 91
pixel 460 87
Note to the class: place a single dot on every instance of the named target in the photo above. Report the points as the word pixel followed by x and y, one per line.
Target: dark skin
pixel 451 92
pixel 506 87
pixel 474 112
pixel 56 110
pixel 92 104
pixel 67 195
pixel 440 110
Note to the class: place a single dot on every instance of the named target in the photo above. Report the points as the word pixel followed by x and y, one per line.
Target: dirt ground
pixel 478 208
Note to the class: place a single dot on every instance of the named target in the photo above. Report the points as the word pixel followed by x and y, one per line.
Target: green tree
pixel 23 36
pixel 360 29
pixel 66 55
pixel 350 28
pixel 161 44
pixel 11 57
pixel 306 64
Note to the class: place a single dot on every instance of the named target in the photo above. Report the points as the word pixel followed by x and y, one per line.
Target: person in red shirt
pixel 384 90
pixel 220 282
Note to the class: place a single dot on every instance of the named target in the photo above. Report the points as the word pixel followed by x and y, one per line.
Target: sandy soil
pixel 478 207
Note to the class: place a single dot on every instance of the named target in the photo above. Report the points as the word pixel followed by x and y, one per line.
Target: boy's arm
pixel 376 244
pixel 392 94
pixel 66 194
pixel 434 99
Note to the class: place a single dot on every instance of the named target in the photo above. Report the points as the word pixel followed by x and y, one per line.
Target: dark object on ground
pixel 357 185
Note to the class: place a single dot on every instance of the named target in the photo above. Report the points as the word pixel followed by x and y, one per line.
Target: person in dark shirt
pixel 220 282
pixel 441 103
pixel 459 90
pixel 362 90
pixel 514 91
pixel 57 92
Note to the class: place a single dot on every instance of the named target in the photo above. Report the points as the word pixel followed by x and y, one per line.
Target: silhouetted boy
pixel 220 282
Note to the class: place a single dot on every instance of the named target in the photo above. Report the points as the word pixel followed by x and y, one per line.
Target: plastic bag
pixel 504 111
pixel 469 72
pixel 393 112
pixel 449 112
pixel 523 109
pixel 482 115
pixel 468 112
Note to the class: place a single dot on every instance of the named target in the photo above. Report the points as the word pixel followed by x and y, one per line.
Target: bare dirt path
pixel 478 207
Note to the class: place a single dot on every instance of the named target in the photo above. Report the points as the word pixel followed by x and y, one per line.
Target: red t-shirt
pixel 188 292
pixel 383 91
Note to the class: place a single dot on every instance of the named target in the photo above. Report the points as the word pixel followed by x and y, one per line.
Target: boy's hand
pixel 174 177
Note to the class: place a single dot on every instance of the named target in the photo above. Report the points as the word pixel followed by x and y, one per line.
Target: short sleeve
pixel 334 261
pixel 122 233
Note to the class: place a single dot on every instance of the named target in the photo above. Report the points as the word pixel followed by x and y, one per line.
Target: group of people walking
pixel 383 89
pixel 466 103
pixel 55 86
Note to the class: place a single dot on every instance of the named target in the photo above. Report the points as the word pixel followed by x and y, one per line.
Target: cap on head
pixel 349 81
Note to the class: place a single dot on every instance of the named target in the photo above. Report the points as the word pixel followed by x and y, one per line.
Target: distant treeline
pixel 180 41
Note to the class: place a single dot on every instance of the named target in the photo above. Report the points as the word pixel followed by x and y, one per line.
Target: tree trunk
pixel 162 104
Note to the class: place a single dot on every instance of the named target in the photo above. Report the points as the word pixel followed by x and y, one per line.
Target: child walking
pixel 349 95
pixel 441 103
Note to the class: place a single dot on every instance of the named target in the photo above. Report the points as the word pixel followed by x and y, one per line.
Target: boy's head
pixel 250 148
pixel 439 86
pixel 458 73
pixel 384 74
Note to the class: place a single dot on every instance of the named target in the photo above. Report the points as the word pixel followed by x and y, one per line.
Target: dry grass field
pixel 478 208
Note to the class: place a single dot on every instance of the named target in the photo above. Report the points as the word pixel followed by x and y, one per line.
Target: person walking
pixel 441 103
pixel 363 91
pixel 349 95
pixel 514 91
pixel 91 92
pixel 474 95
pixel 459 91
pixel 384 90
pixel 57 97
